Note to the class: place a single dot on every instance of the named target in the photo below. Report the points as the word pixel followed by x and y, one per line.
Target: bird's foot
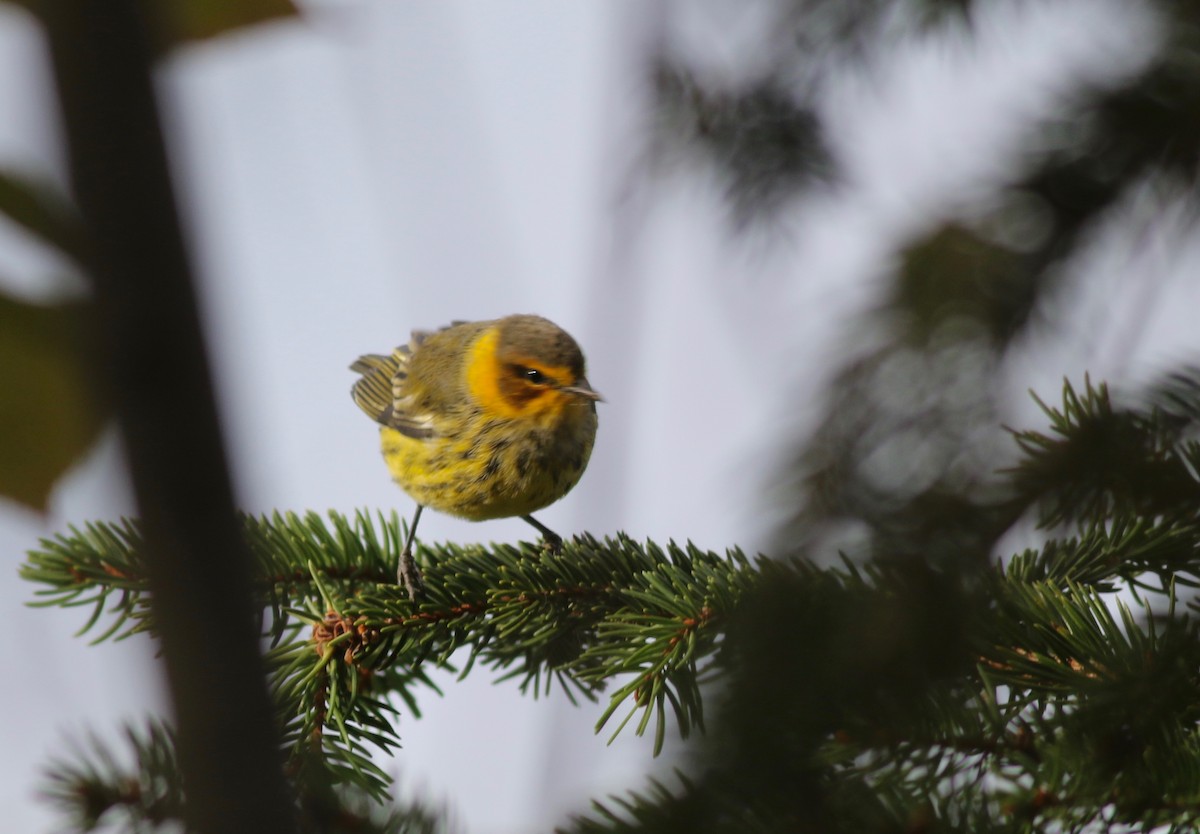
pixel 552 543
pixel 409 575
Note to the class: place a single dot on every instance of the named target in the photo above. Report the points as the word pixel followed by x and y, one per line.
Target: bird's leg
pixel 408 574
pixel 550 540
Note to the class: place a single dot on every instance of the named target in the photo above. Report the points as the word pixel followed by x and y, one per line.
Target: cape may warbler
pixel 485 419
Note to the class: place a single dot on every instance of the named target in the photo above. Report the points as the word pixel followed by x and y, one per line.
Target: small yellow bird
pixel 486 419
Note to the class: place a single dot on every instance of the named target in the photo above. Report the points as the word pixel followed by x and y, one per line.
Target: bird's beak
pixel 584 389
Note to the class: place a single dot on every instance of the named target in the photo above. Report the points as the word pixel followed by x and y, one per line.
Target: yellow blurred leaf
pixel 173 22
pixel 189 20
pixel 41 209
pixel 48 419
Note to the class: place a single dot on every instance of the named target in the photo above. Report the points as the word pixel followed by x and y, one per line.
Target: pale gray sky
pixel 384 166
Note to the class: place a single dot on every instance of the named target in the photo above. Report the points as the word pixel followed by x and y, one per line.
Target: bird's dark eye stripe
pixel 532 374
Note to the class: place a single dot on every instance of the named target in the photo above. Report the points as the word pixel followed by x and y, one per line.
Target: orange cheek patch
pixel 499 391
pixel 483 376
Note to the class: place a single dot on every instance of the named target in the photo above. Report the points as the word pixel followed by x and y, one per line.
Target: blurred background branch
pixel 148 359
pixel 902 670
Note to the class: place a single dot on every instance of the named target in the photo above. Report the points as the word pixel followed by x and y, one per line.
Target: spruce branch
pixel 347 643
pixel 99 566
pixel 986 743
pixel 900 696
pixel 1079 714
pixel 137 786
pixel 1150 554
pixel 1098 457
pixel 92 787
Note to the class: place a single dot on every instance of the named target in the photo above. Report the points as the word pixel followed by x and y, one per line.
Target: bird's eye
pixel 534 375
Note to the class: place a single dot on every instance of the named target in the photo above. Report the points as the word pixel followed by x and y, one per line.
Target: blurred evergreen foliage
pixel 931 682
pixel 1054 690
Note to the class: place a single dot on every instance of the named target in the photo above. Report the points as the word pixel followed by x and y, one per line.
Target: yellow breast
pixel 495 470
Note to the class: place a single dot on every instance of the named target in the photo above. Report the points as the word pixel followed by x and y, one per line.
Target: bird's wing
pixel 379 392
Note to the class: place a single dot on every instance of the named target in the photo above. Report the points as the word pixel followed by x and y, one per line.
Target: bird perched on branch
pixel 481 420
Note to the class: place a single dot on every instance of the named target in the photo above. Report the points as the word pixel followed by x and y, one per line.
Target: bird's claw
pixel 409 575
